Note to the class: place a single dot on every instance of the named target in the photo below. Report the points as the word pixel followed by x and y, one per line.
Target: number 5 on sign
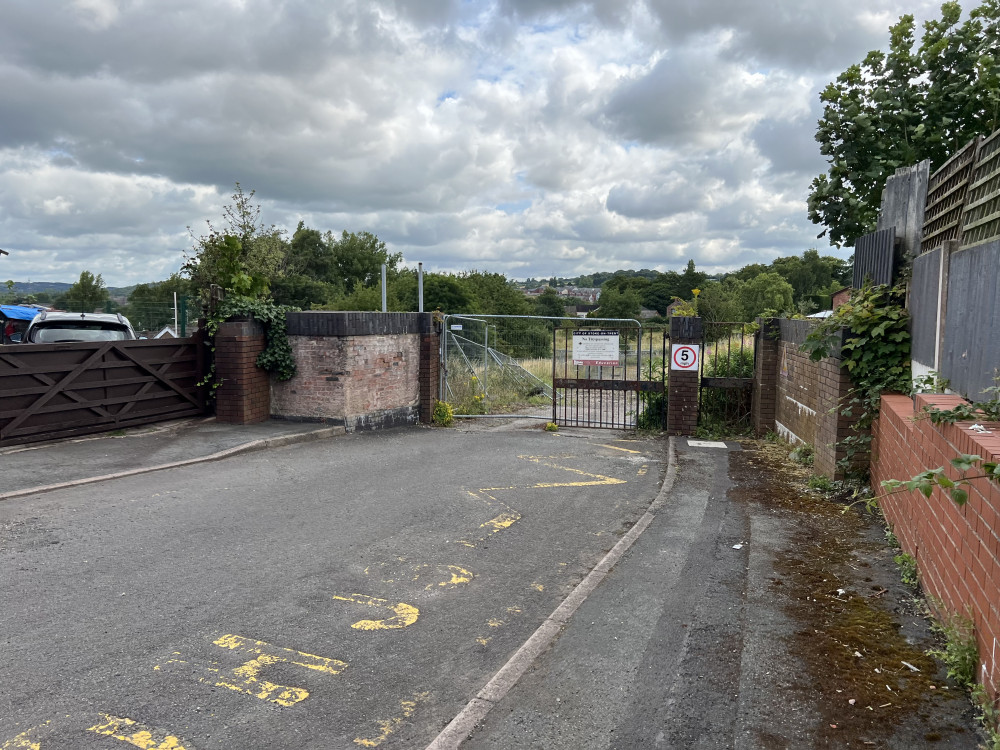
pixel 684 356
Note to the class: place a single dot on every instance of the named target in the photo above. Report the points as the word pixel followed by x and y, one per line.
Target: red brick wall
pixel 957 549
pixel 357 381
pixel 242 397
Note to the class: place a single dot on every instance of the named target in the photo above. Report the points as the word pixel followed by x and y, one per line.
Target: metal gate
pixel 726 392
pixel 617 381
pixel 520 367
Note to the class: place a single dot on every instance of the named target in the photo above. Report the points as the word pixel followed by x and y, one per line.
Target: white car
pixel 59 327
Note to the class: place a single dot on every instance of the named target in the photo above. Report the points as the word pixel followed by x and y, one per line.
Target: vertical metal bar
pixel 384 307
pixel 555 396
pixel 420 287
pixel 486 367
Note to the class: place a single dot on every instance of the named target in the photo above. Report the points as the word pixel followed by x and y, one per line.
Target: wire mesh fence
pixel 510 366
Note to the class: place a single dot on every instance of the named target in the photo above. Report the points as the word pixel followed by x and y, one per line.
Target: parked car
pixel 58 327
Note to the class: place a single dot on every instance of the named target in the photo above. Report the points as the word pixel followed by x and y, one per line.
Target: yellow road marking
pixel 388 726
pixel 599 479
pixel 616 448
pixel 483 641
pixel 538 587
pixel 246 677
pixel 494 623
pixel 509 516
pixel 404 614
pixel 456 575
pixel 134 733
pixel 643 470
pixel 23 740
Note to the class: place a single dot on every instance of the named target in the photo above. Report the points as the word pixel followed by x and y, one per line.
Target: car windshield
pixel 94 332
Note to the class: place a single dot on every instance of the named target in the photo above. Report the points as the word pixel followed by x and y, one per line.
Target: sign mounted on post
pixel 597 348
pixel 684 356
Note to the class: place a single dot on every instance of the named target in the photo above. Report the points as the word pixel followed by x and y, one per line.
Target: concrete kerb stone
pixel 459 728
pixel 253 445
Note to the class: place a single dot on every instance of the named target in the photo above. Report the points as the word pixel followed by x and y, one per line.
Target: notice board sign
pixel 598 348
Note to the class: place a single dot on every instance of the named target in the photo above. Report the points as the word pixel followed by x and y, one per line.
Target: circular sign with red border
pixel 684 356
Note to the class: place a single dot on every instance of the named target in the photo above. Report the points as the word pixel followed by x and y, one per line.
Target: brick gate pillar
pixel 765 375
pixel 430 363
pixel 244 395
pixel 682 385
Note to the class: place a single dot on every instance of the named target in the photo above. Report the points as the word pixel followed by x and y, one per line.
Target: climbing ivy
pixel 277 357
pixel 872 330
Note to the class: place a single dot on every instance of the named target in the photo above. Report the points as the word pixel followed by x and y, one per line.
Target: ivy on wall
pixel 873 333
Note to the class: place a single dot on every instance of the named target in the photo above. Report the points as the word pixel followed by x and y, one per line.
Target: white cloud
pixel 527 136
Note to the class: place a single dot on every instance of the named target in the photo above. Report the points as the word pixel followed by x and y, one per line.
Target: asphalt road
pixel 338 594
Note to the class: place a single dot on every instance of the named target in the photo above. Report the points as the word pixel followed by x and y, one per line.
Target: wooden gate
pixel 61 390
pixel 623 388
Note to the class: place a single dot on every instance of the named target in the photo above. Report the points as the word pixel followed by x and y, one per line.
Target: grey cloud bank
pixel 532 138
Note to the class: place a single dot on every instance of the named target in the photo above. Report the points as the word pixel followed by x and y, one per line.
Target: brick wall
pixel 957 548
pixel 242 397
pixel 683 385
pixel 361 370
pixel 802 400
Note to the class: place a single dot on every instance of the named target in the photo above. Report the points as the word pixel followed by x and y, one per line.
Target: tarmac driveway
pixel 353 592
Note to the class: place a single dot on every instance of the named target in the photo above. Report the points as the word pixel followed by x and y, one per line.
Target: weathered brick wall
pixel 957 549
pixel 683 385
pixel 808 397
pixel 242 397
pixel 361 370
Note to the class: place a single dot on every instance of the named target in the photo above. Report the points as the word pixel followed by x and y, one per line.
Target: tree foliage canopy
pixel 918 101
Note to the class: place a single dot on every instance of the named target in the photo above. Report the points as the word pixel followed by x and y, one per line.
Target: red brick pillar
pixel 683 385
pixel 765 375
pixel 430 366
pixel 244 395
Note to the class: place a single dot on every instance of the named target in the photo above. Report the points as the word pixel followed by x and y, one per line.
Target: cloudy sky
pixel 531 137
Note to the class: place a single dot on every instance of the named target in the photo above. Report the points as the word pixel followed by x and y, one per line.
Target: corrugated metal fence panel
pixel 982 208
pixel 971 352
pixel 924 293
pixel 875 257
pixel 946 194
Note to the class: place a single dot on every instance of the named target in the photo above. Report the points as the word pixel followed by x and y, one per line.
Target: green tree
pixel 88 294
pixel 549 304
pixel 493 294
pixel 151 306
pixel 766 293
pixel 358 258
pixel 618 304
pixel 244 258
pixel 894 109
pixel 722 301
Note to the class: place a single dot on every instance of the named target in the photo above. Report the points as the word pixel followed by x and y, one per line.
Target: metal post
pixel 385 307
pixel 486 366
pixel 420 287
pixel 177 331
pixel 184 316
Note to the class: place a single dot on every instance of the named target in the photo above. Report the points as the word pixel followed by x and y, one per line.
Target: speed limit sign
pixel 684 356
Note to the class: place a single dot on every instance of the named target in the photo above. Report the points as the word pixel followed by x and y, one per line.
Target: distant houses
pixel 587 295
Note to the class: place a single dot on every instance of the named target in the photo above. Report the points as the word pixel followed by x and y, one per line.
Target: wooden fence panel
pixel 61 390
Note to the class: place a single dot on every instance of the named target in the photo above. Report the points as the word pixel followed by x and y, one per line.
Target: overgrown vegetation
pixel 908 572
pixel 958 651
pixel 444 415
pixel 871 332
